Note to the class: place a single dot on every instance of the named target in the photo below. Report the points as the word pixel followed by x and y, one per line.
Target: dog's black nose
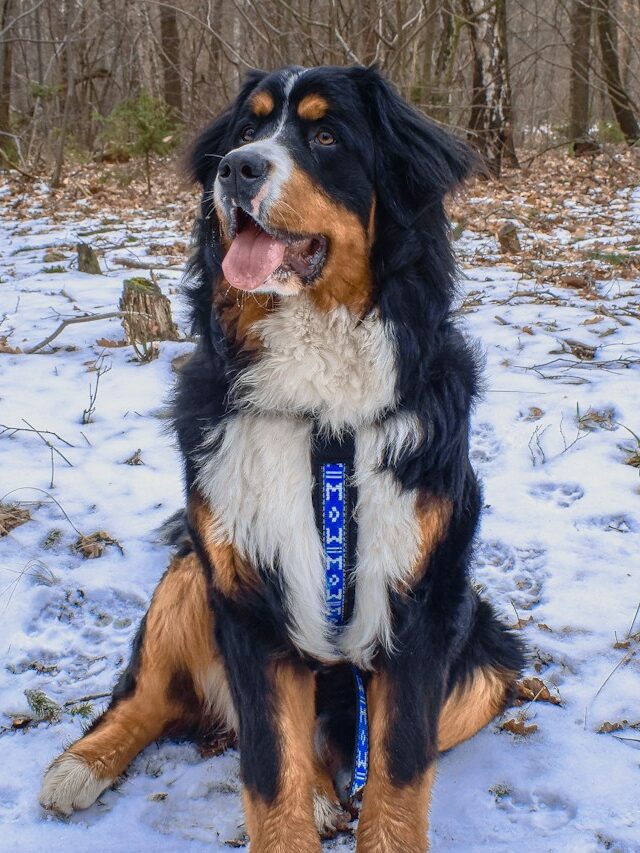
pixel 242 171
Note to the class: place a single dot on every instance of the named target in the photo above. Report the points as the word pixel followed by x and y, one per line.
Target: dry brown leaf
pixel 535 690
pixel 521 622
pixel 109 344
pixel 5 347
pixel 518 727
pixel 576 281
pixel 12 516
pixel 607 727
pixel 535 414
pixel 93 545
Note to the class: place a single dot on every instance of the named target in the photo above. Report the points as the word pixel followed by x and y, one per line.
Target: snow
pixel 558 546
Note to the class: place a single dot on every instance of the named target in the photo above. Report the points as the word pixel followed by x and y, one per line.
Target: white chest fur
pixel 259 481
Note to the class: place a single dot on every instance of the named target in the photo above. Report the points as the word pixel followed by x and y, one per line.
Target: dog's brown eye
pixel 324 137
pixel 247 134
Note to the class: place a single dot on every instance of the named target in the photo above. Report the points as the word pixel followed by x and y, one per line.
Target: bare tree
pixel 506 72
pixel 620 101
pixel 6 74
pixel 69 90
pixel 170 57
pixel 579 81
pixel 491 109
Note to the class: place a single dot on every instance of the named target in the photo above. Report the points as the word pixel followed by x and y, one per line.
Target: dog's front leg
pixel 274 696
pixel 280 816
pixel 395 810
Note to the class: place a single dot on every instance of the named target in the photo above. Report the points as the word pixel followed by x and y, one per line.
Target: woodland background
pixel 90 79
pixel 98 100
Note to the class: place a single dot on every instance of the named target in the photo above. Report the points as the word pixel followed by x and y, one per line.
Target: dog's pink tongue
pixel 252 257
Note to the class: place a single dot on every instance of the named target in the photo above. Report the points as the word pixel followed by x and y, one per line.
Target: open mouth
pixel 256 254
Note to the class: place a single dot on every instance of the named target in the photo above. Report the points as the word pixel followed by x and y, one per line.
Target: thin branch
pixel 70 321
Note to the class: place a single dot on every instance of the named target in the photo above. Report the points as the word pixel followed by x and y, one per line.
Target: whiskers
pixel 281 206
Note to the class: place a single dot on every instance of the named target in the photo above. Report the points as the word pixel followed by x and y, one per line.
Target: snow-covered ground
pixel 558 551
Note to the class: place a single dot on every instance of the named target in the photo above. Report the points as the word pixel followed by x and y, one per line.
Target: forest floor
pixel 555 440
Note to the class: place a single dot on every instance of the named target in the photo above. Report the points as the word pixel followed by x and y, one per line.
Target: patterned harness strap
pixel 333 464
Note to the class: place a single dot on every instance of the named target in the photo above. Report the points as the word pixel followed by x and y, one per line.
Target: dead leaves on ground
pixel 535 690
pixel 92 546
pixel 12 516
pixel 559 220
pixel 528 690
pixel 518 726
pixel 608 728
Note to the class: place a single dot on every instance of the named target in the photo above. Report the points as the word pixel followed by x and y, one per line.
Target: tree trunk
pixel 508 145
pixel 439 83
pixel 170 58
pixel 70 85
pixel 491 111
pixel 622 106
pixel 369 13
pixel 579 81
pixel 6 70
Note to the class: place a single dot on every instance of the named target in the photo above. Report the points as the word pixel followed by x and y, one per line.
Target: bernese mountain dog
pixel 319 603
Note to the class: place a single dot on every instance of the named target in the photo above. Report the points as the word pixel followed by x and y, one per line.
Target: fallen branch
pixel 88 698
pixel 13 430
pixel 132 264
pixel 70 321
pixel 15 166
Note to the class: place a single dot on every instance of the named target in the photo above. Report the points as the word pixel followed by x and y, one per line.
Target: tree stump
pixel 147 316
pixel 87 260
pixel 508 239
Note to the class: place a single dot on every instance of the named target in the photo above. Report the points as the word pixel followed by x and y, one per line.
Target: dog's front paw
pixel 330 817
pixel 70 783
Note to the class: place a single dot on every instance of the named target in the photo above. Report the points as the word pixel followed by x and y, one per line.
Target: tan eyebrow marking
pixel 262 103
pixel 313 107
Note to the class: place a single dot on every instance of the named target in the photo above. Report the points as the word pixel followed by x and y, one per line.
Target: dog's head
pixel 310 180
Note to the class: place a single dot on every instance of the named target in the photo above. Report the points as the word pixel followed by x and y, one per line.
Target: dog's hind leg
pixel 174 677
pixel 481 679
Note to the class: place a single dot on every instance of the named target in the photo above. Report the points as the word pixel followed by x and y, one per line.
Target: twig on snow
pixel 50 496
pixel 70 321
pixel 101 369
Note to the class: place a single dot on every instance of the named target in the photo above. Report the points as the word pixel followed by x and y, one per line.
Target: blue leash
pixel 335 531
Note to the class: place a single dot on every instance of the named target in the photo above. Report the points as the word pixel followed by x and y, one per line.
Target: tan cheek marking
pixel 231 573
pixel 472 705
pixel 262 104
pixel 313 107
pixel 346 278
pixel 239 311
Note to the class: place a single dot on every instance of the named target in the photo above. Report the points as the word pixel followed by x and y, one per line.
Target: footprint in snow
pixel 561 494
pixel 485 447
pixel 511 575
pixel 543 811
pixel 92 611
pixel 618 523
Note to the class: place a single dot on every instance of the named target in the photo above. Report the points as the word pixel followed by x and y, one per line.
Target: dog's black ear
pixel 417 162
pixel 214 142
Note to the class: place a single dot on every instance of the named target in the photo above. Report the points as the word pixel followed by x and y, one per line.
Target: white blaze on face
pixel 254 255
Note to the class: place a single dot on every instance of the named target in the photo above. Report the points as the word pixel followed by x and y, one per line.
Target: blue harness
pixel 336 523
